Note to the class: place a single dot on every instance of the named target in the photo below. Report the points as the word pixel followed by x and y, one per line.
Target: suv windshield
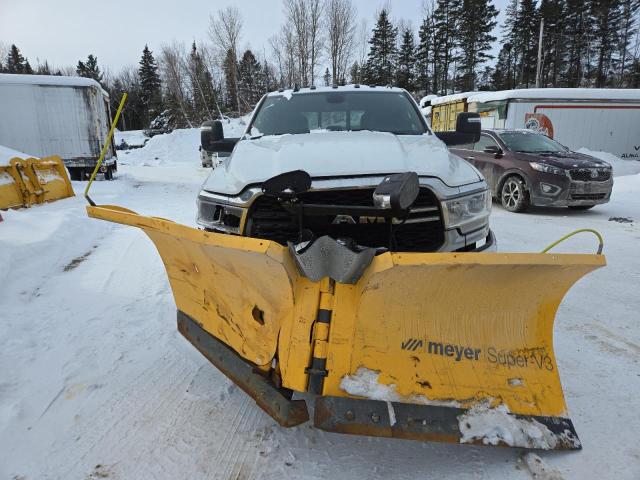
pixel 530 142
pixel 338 111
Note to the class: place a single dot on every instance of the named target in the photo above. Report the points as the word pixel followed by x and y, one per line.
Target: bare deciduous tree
pixel 304 21
pixel 341 30
pixel 172 61
pixel 225 30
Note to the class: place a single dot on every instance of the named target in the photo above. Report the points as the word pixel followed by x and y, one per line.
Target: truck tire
pixel 513 195
pixel 75 174
pixel 108 175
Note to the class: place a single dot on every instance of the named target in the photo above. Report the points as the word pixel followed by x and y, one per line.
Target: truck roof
pixel 18 79
pixel 344 88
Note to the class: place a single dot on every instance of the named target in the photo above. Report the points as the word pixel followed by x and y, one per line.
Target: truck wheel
pixel 514 196
pixel 108 175
pixel 75 174
pixel 581 207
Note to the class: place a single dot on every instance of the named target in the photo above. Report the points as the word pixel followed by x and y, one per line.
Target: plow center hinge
pixel 317 371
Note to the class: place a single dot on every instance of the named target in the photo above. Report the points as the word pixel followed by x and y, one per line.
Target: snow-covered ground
pixel 6 154
pixel 95 381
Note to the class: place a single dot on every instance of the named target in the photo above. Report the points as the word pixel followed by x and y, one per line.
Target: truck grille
pixel 423 231
pixel 590 174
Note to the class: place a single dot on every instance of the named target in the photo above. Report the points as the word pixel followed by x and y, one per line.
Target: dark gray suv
pixel 526 168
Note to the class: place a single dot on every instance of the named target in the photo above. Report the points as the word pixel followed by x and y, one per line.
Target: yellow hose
pixel 107 143
pixel 590 230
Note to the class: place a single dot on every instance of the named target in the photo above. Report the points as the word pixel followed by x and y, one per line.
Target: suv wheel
pixel 514 196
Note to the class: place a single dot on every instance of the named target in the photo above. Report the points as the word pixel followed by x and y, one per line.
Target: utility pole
pixel 539 69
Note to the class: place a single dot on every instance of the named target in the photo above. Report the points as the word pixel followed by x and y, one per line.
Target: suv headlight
pixel 543 167
pixel 470 208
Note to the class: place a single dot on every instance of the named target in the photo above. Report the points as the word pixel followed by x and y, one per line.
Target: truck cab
pixel 348 140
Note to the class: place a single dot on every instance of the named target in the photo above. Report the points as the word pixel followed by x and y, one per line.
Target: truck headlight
pixel 470 208
pixel 543 167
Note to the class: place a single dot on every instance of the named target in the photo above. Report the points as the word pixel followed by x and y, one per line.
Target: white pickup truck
pixel 348 140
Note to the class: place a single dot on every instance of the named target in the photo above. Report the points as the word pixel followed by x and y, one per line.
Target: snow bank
pixel 7 154
pixel 493 426
pixel 365 384
pixel 179 146
pixel 620 167
pixel 176 147
pixel 133 138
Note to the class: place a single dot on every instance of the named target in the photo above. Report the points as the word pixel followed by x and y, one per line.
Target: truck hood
pixel 338 154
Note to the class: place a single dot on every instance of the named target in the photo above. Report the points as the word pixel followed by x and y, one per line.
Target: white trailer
pixel 51 115
pixel 605 120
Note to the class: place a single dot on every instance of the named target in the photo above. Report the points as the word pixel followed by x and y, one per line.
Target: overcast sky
pixel 65 31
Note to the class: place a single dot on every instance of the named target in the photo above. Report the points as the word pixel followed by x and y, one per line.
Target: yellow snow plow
pixel 454 347
pixel 25 182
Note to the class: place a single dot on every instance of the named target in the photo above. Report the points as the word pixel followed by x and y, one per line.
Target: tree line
pixel 588 43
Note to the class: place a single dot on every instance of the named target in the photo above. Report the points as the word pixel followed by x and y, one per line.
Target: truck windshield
pixel 338 111
pixel 530 142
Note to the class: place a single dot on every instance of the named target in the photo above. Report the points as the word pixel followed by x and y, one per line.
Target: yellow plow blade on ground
pixel 453 347
pixel 25 182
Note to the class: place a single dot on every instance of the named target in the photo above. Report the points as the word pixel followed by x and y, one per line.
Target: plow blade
pixel 452 347
pixel 32 181
pixel 470 332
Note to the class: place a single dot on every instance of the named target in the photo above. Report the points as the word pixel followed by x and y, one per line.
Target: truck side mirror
pixel 467 130
pixel 468 123
pixel 211 132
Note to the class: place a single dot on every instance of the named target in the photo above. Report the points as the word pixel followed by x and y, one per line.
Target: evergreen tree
pixel 485 78
pixel 381 61
pixel 327 77
pixel 89 69
pixel 150 92
pixel 629 27
pixel 607 15
pixel 504 76
pixel 424 57
pixel 525 42
pixel 15 62
pixel 578 27
pixel 554 51
pixel 405 75
pixel 355 73
pixel 249 80
pixel 229 68
pixel 477 21
pixel 445 20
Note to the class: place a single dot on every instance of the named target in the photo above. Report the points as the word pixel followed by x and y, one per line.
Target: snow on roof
pixel 456 97
pixel 16 79
pixel 348 88
pixel 557 93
